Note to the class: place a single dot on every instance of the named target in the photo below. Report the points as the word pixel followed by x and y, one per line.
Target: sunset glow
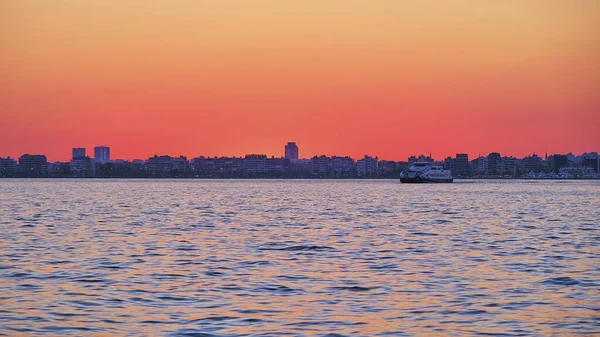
pixel 385 78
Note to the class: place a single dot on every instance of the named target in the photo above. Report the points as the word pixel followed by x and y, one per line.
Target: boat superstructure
pixel 423 172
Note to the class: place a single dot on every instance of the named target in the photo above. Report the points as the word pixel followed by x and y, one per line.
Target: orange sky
pixel 348 77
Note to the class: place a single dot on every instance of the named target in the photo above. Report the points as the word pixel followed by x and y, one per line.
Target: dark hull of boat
pixel 419 180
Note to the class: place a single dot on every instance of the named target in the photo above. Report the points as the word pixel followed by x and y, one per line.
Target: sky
pixel 387 78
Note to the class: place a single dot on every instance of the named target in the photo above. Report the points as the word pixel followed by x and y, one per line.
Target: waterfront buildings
pixel 33 164
pixel 277 165
pixel 78 152
pixel 558 161
pixel 461 166
pixel 479 166
pixel 255 163
pixel 341 167
pixel 101 154
pixel 291 151
pixel 510 166
pixel 591 160
pixel 532 163
pixel 7 166
pixel 160 166
pixel 261 166
pixel 367 167
pixel 180 164
pixel 320 165
pixel 59 169
pixel 494 164
pixel 420 159
pixel 82 167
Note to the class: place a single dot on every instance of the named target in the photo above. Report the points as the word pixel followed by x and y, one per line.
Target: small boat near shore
pixel 423 172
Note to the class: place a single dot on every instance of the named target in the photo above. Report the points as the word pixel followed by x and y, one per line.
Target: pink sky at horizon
pixel 230 77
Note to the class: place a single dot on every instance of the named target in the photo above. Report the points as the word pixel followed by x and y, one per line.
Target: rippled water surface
pixel 299 258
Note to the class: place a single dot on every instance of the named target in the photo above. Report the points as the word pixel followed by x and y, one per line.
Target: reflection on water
pixel 299 258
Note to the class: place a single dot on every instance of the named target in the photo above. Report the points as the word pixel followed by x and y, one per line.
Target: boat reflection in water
pixel 423 172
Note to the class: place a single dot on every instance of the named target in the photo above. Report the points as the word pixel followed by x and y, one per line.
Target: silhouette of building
pixel 291 151
pixel 367 167
pixel 461 168
pixel 420 159
pixel 7 166
pixel 479 166
pixel 532 163
pixel 59 169
pixel 101 154
pixel 450 165
pixel 33 164
pixel 510 166
pixel 341 167
pixel 494 163
pixel 319 165
pixel 160 166
pixel 82 167
pixel 180 164
pixel 591 160
pixel 558 161
pixel 277 165
pixel 255 163
pixel 78 152
pixel 229 167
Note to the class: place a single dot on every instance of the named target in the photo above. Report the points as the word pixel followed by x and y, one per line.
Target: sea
pixel 92 257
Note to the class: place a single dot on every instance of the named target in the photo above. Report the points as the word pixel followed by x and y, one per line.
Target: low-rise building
pixel 82 167
pixel 367 167
pixel 33 164
pixel 255 164
pixel 510 166
pixel 532 163
pixel 591 160
pixel 160 166
pixel 277 165
pixel 180 164
pixel 479 166
pixel 8 166
pixel 341 167
pixel 319 165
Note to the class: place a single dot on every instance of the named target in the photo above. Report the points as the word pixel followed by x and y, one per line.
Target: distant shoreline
pixel 286 178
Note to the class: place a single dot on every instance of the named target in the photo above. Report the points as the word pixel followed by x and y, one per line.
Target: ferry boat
pixel 426 173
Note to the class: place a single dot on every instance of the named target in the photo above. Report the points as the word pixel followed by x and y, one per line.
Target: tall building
pixel 78 152
pixel 33 164
pixel 291 151
pixel 461 165
pixel 101 154
pixel 494 163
